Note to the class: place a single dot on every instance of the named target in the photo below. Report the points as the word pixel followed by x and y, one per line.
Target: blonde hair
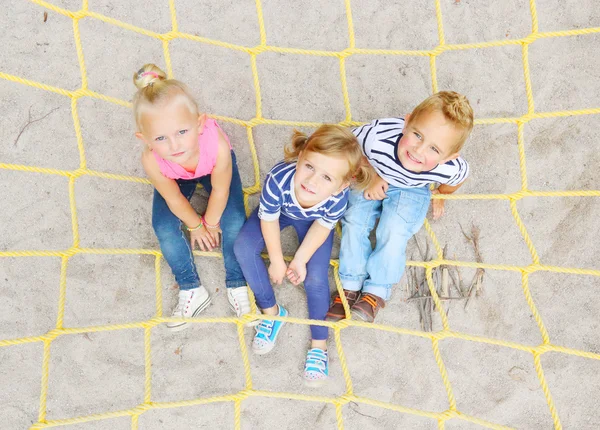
pixel 334 141
pixel 456 109
pixel 154 88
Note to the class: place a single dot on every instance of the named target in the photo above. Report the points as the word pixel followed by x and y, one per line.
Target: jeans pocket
pixel 412 207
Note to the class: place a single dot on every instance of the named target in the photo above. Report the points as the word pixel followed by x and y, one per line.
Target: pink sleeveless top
pixel 208 144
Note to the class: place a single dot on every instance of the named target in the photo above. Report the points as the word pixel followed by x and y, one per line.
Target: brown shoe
pixel 367 307
pixel 336 311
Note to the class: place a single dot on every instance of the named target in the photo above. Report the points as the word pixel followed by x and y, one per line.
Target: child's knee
pixel 239 248
pixel 317 287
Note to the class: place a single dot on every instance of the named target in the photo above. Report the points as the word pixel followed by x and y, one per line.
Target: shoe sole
pixel 315 383
pixel 269 348
pixel 361 316
pixel 184 325
pixel 334 319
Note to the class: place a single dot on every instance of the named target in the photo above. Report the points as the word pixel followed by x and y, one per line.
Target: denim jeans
pixel 401 215
pixel 176 247
pixel 248 248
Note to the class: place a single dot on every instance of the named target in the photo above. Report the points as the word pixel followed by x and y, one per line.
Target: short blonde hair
pixel 336 141
pixel 456 109
pixel 154 88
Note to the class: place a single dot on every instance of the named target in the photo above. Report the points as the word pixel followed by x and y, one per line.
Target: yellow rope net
pixel 435 337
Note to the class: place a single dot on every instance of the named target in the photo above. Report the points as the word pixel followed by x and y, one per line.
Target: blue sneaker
pixel 267 332
pixel 316 369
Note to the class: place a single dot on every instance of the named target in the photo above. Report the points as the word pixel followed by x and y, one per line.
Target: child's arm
pixel 177 203
pixel 437 205
pixel 220 179
pixel 169 190
pixel 272 235
pixel 377 188
pixel 315 237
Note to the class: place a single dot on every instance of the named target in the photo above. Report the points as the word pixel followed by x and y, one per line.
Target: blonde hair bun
pixel 149 74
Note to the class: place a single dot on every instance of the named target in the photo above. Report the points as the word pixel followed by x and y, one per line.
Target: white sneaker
pixel 191 303
pixel 240 303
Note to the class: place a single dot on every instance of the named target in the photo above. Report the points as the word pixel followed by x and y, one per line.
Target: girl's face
pixel 318 177
pixel 171 131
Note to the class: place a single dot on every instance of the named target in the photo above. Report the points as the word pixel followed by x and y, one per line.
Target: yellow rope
pixel 435 337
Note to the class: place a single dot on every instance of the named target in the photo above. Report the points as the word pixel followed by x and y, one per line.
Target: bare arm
pixel 437 205
pixel 377 188
pixel 169 190
pixel 220 180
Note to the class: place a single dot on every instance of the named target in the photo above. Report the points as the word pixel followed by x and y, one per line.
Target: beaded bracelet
pixel 198 227
pixel 210 226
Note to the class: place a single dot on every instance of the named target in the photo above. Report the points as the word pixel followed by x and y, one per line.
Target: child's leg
pixel 173 243
pixel 402 216
pixel 248 247
pixel 316 284
pixel 355 248
pixel 232 221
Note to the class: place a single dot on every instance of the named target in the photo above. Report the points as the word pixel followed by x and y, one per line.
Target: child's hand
pixel 377 189
pixel 277 271
pixel 296 272
pixel 203 238
pixel 437 206
pixel 215 232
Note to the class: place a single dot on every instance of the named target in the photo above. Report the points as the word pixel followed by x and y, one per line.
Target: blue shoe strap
pixel 317 354
pixel 265 327
pixel 316 360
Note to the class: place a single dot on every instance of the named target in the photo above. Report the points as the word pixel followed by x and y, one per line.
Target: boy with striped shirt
pixel 408 155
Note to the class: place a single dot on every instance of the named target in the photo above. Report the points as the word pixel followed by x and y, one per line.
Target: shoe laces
pixel 240 298
pixel 370 300
pixel 185 297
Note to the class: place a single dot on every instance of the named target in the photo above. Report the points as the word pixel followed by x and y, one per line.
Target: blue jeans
pixel 248 248
pixel 176 247
pixel 401 215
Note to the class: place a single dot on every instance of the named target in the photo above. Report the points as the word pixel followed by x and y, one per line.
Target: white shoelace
pixel 240 297
pixel 184 297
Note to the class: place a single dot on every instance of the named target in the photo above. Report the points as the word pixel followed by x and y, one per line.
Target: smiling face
pixel 318 177
pixel 427 141
pixel 171 130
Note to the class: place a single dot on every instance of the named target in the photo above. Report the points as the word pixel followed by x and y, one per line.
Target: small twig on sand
pixel 360 413
pixel 477 282
pixel 442 298
pixel 30 121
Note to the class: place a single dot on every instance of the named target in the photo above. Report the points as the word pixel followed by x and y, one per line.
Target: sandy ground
pixel 103 372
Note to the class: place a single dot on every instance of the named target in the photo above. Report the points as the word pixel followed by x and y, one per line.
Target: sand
pixel 103 372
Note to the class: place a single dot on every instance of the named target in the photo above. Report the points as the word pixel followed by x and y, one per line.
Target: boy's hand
pixel 203 238
pixel 277 271
pixel 377 189
pixel 437 206
pixel 296 272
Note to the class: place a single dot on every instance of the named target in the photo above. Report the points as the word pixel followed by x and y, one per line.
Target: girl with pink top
pixel 184 148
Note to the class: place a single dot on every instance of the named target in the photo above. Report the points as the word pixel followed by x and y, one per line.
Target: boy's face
pixel 318 177
pixel 171 131
pixel 428 141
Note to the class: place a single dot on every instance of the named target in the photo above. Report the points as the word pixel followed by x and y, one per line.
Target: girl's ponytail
pixel 153 87
pixel 148 81
pixel 292 150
